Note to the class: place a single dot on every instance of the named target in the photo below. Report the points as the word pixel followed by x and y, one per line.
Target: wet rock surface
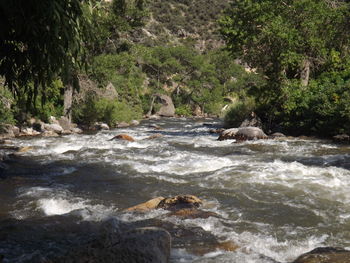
pixel 109 241
pixel 325 255
pixel 123 137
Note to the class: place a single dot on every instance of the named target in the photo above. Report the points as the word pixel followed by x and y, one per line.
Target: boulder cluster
pixel 34 127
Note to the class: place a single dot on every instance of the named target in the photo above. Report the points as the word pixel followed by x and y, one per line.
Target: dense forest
pixel 288 61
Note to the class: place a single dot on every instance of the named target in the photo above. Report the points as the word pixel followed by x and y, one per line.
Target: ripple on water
pixel 274 198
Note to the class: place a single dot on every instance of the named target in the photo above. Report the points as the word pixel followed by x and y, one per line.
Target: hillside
pixel 182 22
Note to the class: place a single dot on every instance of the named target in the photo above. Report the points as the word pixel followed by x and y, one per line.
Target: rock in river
pixel 124 137
pixel 325 255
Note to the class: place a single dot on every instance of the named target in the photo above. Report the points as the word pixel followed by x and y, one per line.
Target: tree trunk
pixel 305 73
pixel 68 99
pixel 151 108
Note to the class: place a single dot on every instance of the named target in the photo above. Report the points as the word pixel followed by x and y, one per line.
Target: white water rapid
pixel 275 199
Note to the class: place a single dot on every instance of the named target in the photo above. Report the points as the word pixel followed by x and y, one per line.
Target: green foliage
pixel 238 112
pixel 105 110
pixel 277 36
pixel 323 108
pixel 121 70
pixel 38 40
pixel 284 40
pixel 184 110
pixel 6 112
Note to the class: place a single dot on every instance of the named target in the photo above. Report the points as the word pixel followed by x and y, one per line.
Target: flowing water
pixel 276 199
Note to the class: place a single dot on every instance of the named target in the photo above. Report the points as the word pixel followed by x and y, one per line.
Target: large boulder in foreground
pixel 325 255
pixel 145 244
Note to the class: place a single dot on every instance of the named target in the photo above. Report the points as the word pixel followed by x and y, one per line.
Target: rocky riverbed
pixel 261 200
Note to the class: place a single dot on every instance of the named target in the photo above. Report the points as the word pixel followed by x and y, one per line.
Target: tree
pixel 294 44
pixel 38 41
pixel 288 39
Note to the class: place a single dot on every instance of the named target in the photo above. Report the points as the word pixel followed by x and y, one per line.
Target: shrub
pixel 238 112
pixel 6 113
pixel 105 110
pixel 183 110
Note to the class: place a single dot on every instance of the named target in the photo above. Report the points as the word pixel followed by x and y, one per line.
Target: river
pixel 276 198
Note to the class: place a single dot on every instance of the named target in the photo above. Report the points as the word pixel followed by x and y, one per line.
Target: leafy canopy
pixel 276 36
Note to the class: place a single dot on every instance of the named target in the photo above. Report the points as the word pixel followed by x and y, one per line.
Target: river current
pixel 273 198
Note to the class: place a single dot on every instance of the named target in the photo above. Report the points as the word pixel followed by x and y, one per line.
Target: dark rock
pixel 341 138
pixel 192 213
pixel 216 131
pixel 146 244
pixel 156 127
pixel 277 135
pixel 325 255
pixel 39 126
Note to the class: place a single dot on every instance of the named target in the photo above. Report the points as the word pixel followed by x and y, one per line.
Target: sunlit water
pixel 273 198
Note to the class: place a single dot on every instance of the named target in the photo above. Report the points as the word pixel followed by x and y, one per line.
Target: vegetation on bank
pixel 302 50
pixel 295 54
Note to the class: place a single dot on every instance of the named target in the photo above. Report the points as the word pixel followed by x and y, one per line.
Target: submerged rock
pixel 192 213
pixel 145 244
pixel 124 137
pixel 277 135
pixel 325 255
pixel 154 136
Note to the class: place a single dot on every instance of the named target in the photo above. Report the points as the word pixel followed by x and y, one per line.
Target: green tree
pixel 288 39
pixel 293 44
pixel 38 41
